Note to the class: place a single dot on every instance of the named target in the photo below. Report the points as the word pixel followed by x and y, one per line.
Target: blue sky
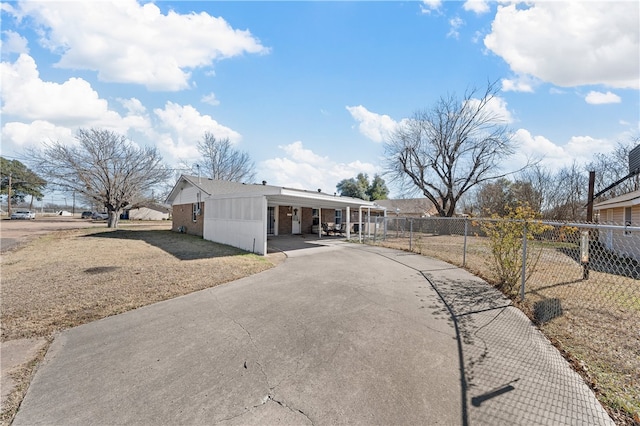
pixel 311 89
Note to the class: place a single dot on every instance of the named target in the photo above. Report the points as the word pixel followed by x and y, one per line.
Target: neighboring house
pixel 622 210
pixel 243 215
pixel 409 207
pixel 147 212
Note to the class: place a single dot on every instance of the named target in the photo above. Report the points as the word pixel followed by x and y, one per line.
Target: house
pixel 146 212
pixel 622 210
pixel 243 215
pixel 409 207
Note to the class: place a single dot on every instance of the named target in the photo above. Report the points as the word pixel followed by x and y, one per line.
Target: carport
pixel 245 219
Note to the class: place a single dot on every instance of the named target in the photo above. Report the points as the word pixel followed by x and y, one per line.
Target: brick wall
pixel 307 220
pixel 284 221
pixel 182 216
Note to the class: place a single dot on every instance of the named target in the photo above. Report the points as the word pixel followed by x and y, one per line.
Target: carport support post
pixel 319 222
pixel 348 223
pixel 360 224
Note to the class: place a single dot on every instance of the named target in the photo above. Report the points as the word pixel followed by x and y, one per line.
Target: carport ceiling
pixel 327 202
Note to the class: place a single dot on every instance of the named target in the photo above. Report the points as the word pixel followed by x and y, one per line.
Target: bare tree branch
pixel 223 162
pixel 104 166
pixel 448 149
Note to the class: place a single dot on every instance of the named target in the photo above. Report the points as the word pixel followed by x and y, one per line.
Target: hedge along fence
pixel 580 282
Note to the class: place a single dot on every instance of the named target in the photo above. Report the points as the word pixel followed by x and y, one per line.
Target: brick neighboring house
pixel 243 215
pixel 622 210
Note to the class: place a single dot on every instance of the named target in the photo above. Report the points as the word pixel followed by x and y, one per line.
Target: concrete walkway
pixel 337 334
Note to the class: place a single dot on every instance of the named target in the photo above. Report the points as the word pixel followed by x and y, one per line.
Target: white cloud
pixel 302 168
pixel 14 43
pixel 376 127
pixel 210 99
pixel 429 6
pixel 35 110
pixel 454 25
pixel 25 95
pixel 570 43
pixel 181 127
pixel 127 42
pixel 579 149
pixel 520 84
pixel 133 105
pixel 496 107
pixel 598 98
pixel 28 101
pixel 34 133
pixel 477 6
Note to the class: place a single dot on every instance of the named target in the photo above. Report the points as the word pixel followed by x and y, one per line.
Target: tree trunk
pixel 113 219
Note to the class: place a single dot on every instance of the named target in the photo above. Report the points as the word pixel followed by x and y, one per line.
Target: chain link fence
pixel 580 282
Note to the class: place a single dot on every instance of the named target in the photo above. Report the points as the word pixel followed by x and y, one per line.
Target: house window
pixel 627 219
pixel 338 217
pixel 195 211
pixel 316 216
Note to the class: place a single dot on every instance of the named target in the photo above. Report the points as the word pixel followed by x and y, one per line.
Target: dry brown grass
pixel 598 329
pixel 69 278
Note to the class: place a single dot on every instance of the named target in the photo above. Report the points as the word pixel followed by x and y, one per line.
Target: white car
pixel 23 214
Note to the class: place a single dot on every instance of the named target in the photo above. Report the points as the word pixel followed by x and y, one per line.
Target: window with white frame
pixel 627 219
pixel 338 217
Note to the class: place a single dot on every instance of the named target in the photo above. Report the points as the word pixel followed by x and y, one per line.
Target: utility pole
pixel 592 181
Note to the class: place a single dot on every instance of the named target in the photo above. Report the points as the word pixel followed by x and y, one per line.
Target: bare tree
pixel 612 167
pixel 446 150
pixel 567 199
pixel 223 162
pixel 541 181
pixel 104 166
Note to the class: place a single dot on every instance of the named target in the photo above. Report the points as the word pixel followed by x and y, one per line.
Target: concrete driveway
pixel 337 334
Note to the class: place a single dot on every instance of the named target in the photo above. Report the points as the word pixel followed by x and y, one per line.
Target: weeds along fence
pixel 579 281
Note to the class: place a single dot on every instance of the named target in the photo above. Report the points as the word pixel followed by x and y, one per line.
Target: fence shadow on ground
pixel 180 246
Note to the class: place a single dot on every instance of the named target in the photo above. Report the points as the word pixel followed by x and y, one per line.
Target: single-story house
pixel 243 215
pixel 409 207
pixel 622 210
pixel 146 212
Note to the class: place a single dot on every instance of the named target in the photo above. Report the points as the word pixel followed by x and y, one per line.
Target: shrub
pixel 506 235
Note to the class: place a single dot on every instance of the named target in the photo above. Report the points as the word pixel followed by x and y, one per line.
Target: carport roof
pixel 276 195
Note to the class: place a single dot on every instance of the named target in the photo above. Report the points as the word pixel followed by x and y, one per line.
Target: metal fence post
pixel 464 249
pixel 523 276
pixel 410 233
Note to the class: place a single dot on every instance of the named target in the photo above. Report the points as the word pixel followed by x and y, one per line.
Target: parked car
pixel 86 215
pixel 23 214
pixel 100 216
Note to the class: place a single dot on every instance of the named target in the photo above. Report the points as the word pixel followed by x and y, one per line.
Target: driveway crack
pixel 253 343
pixel 292 409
